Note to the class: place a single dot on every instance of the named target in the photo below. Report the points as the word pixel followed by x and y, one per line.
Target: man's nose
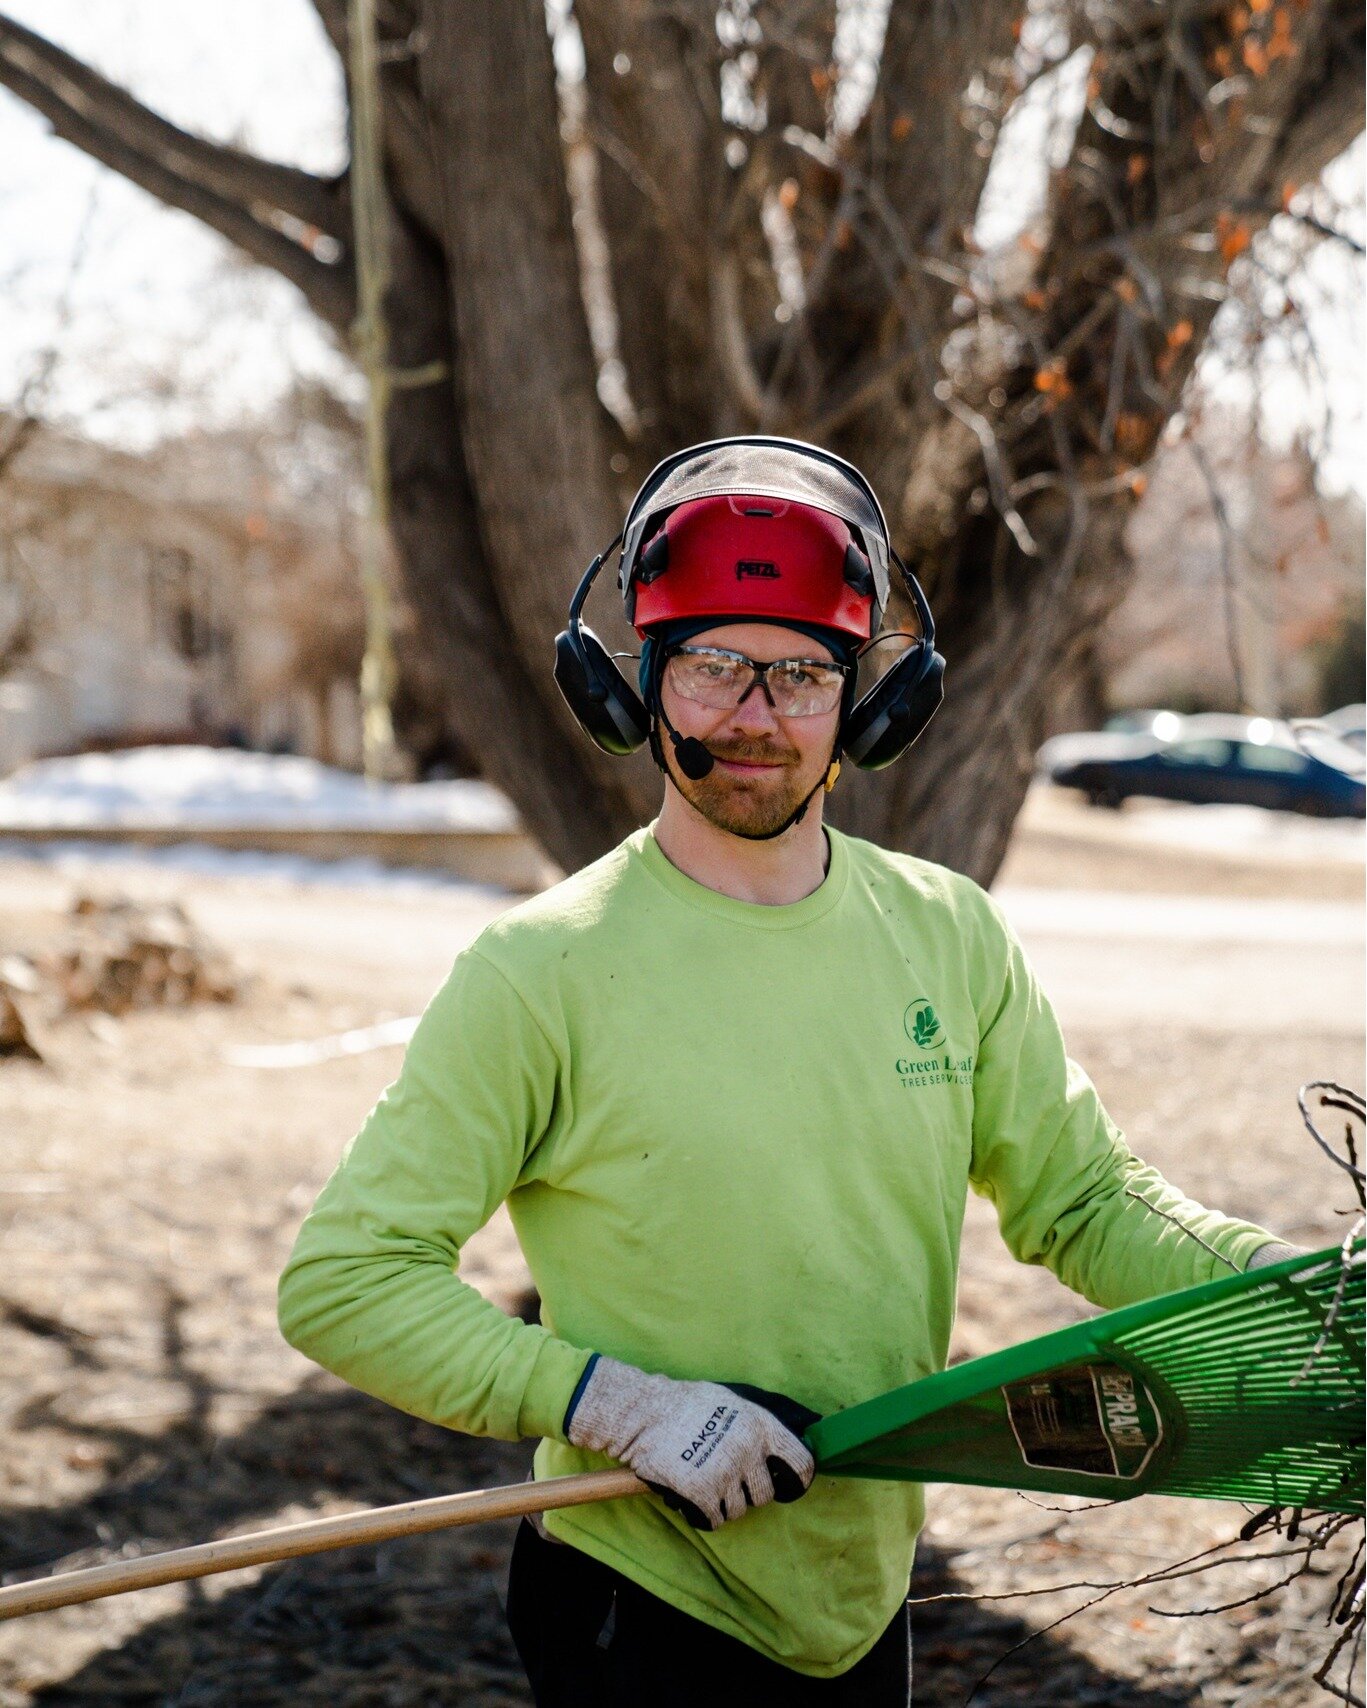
pixel 754 714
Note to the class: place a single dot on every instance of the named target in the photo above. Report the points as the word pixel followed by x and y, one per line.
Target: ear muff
pixel 595 690
pixel 604 705
pixel 896 709
pixel 883 725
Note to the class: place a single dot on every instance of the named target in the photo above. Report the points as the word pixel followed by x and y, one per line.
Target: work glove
pixel 711 1452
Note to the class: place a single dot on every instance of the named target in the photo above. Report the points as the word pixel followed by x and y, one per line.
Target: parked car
pixel 1323 739
pixel 1245 761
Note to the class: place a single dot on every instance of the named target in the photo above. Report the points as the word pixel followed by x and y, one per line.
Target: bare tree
pixel 771 269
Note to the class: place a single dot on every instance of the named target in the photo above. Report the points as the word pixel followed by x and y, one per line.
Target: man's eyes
pixel 796 674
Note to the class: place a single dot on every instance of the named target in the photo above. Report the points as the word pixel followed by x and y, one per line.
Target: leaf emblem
pixel 925 1027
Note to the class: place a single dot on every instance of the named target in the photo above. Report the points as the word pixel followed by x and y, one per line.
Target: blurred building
pixel 181 596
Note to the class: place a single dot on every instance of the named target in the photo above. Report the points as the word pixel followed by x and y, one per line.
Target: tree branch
pixel 411 171
pixel 274 213
pixel 1328 115
pixel 944 88
pixel 659 138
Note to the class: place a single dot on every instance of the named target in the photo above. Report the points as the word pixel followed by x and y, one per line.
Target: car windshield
pixel 1256 756
pixel 1198 753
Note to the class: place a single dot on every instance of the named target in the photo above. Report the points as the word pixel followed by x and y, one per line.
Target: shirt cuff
pixel 552 1388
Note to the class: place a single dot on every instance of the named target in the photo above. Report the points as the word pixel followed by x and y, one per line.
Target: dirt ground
pixel 149 1193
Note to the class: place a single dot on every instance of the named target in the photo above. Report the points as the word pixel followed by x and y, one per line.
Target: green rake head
pixel 1249 1388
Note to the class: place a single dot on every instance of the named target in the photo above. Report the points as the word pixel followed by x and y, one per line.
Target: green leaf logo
pixel 922 1024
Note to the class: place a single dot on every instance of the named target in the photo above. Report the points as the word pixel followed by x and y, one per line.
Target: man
pixel 734 1081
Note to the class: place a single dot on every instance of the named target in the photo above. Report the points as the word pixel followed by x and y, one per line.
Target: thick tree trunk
pixel 496 701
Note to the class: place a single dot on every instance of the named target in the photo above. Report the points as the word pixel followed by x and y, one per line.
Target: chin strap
pixel 827 783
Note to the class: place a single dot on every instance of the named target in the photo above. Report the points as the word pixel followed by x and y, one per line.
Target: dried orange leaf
pixel 1281 46
pixel 1255 57
pixel 1235 240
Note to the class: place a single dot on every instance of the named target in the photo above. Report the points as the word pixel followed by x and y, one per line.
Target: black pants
pixel 649 1655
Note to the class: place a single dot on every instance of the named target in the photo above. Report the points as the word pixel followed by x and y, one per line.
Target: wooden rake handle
pixel 316 1536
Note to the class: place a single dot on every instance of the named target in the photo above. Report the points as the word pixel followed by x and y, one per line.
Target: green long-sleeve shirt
pixel 736 1143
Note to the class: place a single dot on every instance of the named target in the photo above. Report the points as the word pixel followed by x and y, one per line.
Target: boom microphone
pixel 694 759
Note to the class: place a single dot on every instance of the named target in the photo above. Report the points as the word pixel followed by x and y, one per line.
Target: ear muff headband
pixel 609 712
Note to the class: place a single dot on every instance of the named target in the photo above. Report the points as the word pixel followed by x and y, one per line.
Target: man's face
pixel 765 765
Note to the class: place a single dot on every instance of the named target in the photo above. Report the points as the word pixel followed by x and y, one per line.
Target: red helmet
pixel 761 558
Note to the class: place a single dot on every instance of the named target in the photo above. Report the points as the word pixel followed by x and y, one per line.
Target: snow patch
pixel 80 860
pixel 209 788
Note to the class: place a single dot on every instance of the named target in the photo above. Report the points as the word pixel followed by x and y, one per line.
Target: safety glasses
pixel 794 687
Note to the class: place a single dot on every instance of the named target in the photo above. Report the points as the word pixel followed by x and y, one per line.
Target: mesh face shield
pixel 819 506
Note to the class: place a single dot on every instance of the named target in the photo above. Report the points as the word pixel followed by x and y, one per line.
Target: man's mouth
pixel 748 767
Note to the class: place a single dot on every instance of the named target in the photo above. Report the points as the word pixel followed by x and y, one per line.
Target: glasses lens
pixel 716 679
pixel 801 690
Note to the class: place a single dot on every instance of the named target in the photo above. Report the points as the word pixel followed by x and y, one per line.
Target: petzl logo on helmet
pixel 922 1024
pixel 754 569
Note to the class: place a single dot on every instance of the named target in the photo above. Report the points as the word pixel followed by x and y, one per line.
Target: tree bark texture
pixel 1003 406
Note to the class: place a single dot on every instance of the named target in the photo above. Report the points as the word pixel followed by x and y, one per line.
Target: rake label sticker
pixel 1094 1419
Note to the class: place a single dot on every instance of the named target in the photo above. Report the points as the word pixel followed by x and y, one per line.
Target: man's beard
pixel 752 808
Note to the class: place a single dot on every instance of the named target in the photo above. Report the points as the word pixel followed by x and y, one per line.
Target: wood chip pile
pixel 115 956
